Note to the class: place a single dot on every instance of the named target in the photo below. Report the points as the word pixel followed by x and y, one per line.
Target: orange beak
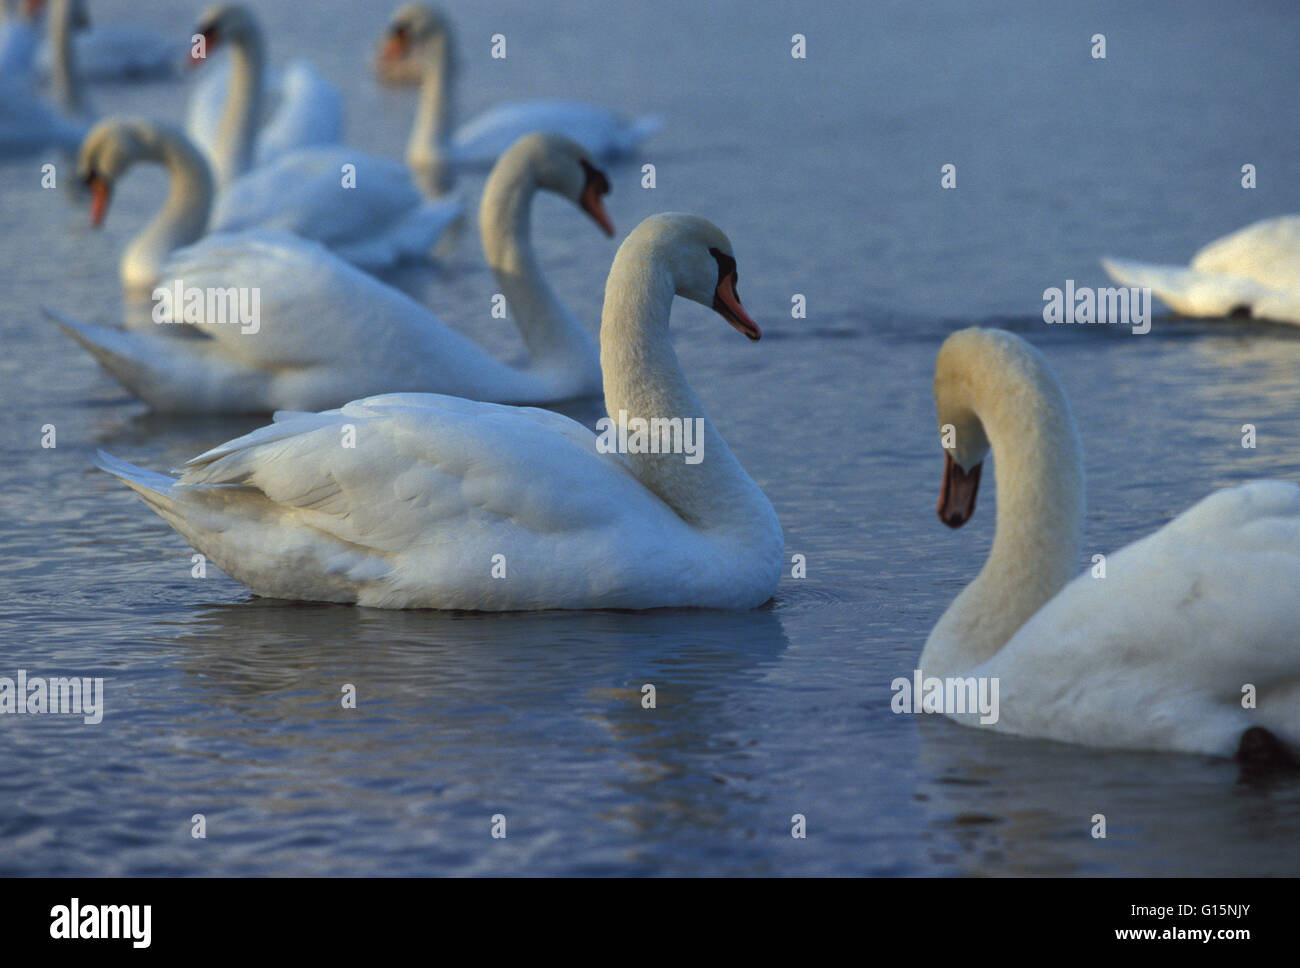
pixel 594 206
pixel 591 198
pixel 726 302
pixel 396 46
pixel 100 192
pixel 957 495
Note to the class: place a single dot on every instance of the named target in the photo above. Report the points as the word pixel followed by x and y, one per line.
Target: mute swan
pixel 30 124
pixel 1154 655
pixel 446 503
pixel 1255 271
pixel 326 332
pixel 110 52
pixel 379 221
pixel 418 34
pixel 227 124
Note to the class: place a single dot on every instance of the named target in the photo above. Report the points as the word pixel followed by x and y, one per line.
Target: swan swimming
pixel 1156 654
pixel 445 503
pixel 1254 272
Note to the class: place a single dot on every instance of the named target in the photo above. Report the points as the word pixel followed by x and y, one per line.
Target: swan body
pixel 29 123
pixel 601 132
pixel 419 44
pixel 1255 272
pixel 437 489
pixel 380 220
pixel 226 114
pixel 117 52
pixel 327 332
pixel 1155 654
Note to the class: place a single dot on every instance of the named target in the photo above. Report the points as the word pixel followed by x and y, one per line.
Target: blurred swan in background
pixel 1153 656
pixel 439 490
pixel 115 52
pixel 379 221
pixel 419 43
pixel 227 116
pixel 327 332
pixel 1254 272
pixel 28 122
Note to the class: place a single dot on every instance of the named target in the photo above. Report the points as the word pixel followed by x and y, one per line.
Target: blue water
pixel 825 174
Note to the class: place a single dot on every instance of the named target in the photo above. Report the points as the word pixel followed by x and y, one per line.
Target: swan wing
pixel 414 512
pixel 1267 252
pixel 1156 653
pixel 310 112
pixel 327 330
pixel 364 208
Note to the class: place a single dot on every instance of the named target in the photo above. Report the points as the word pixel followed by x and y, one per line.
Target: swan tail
pixel 169 374
pixel 156 489
pixel 1185 290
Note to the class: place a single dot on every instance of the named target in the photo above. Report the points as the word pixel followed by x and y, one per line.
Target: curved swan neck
pixel 427 153
pixel 68 89
pixel 555 340
pixel 183 217
pixel 242 115
pixel 643 379
pixel 1038 461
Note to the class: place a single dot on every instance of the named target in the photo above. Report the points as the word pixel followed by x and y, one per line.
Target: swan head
pixel 700 260
pixel 561 165
pixel 227 23
pixel 412 25
pixel 969 361
pixel 111 147
pixel 990 378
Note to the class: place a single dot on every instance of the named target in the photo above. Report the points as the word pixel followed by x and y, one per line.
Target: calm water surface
pixel 825 173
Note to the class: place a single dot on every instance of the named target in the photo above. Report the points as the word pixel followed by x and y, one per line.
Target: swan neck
pixel 555 340
pixel 68 90
pixel 1038 461
pixel 428 154
pixel 644 382
pixel 242 115
pixel 183 217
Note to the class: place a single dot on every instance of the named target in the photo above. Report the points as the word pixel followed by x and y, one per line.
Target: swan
pixel 30 124
pixel 225 114
pixel 418 34
pixel 1154 656
pixel 447 503
pixel 1253 272
pixel 327 332
pixel 379 221
pixel 106 52
pixel 20 37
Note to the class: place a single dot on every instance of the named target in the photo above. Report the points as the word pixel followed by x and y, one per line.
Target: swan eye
pixel 596 179
pixel 400 31
pixel 726 266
